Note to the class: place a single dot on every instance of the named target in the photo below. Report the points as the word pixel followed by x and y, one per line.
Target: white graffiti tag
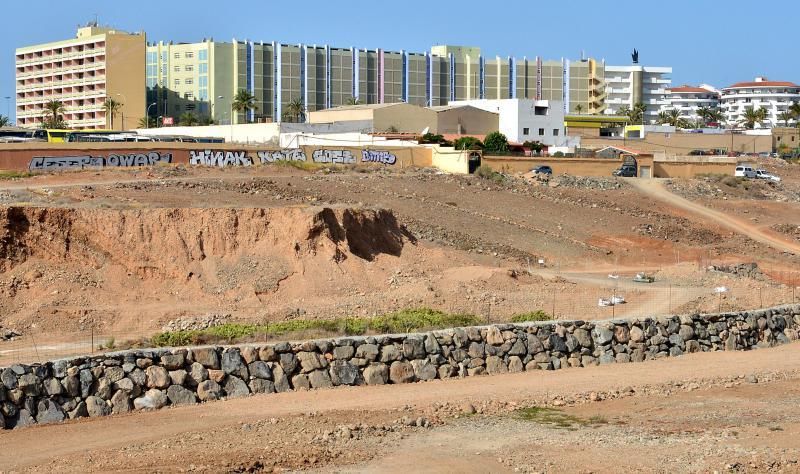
pixel 44 163
pixel 219 158
pixel 375 156
pixel 289 154
pixel 344 157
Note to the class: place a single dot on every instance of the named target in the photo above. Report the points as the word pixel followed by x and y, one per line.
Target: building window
pixel 188 81
pixel 177 69
pixel 189 68
pixel 177 82
pixel 202 55
pixel 541 132
pixel 203 68
pixel 189 55
pixel 526 131
pixel 188 96
pixel 555 132
pixel 190 106
pixel 177 55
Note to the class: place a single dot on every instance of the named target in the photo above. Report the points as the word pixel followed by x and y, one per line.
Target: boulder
pixel 262 386
pixel 157 377
pixel 602 335
pixel 178 377
pixel 280 379
pixel 424 369
pixel 235 387
pixel 52 386
pixel 114 374
pixel 343 352
pixel 289 363
pixel 494 336
pixel 414 348
pixel 300 382
pixel 208 390
pixel 233 364
pixel 496 365
pixel 30 384
pixel 367 351
pixel 622 334
pixel 24 418
pixel 344 373
pixel 310 361
pixel 120 402
pixel 376 374
pixel 197 374
pixel 320 379
pixel 260 370
pixel 515 364
pixel 152 399
pixel 431 344
pixel 390 353
pixel 207 356
pixel 249 354
pixel 9 379
pixel 49 412
pixel 96 406
pixel 173 361
pixel 636 334
pixel 181 396
pixel 401 372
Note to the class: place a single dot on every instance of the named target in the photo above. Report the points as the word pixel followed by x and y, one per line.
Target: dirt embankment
pixel 61 258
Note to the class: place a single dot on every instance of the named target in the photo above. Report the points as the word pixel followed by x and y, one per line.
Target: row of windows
pixel 527 131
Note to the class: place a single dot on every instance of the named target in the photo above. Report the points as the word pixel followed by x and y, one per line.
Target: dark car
pixel 625 172
pixel 543 170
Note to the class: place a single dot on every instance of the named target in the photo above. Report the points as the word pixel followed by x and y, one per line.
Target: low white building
pixel 775 96
pixel 628 85
pixel 687 99
pixel 524 120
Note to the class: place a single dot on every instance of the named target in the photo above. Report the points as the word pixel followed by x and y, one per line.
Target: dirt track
pixel 656 189
pixel 245 432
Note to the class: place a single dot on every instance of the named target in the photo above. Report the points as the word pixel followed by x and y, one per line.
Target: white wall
pixel 516 115
pixel 258 133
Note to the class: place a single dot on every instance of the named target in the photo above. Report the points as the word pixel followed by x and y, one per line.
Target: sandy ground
pixel 725 412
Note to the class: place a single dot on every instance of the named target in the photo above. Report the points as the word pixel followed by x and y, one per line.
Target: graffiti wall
pixel 219 158
pixel 289 154
pixel 122 160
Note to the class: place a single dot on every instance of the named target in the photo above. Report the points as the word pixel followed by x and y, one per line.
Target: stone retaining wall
pixel 150 379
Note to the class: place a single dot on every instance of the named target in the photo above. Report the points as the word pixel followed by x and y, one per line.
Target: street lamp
pixel 147 114
pixel 123 110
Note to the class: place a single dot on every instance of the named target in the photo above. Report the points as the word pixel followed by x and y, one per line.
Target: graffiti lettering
pixel 46 163
pixel 374 156
pixel 289 154
pixel 219 158
pixel 334 156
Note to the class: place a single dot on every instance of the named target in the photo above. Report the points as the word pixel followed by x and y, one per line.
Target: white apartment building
pixel 688 99
pixel 775 96
pixel 628 85
pixel 524 120
pixel 82 72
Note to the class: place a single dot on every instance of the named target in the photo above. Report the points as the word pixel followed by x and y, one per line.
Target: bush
pixel 537 315
pixel 558 154
pixel 495 142
pixel 486 172
pixel 468 143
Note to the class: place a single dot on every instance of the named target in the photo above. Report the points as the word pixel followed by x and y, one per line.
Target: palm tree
pixel 55 109
pixel 353 101
pixel 636 114
pixel 244 101
pixel 578 109
pixel 112 108
pixel 4 121
pixel 672 117
pixel 752 116
pixel 794 109
pixel 785 117
pixel 715 115
pixel 296 110
pixel 147 122
pixel 187 119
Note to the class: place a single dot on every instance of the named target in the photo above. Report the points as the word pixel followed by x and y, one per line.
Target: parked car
pixel 745 171
pixel 544 169
pixel 697 153
pixel 764 174
pixel 642 277
pixel 625 171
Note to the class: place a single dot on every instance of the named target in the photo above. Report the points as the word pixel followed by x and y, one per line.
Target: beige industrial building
pixel 409 118
pixel 98 64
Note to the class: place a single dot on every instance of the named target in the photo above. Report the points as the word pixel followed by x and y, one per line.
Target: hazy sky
pixel 704 41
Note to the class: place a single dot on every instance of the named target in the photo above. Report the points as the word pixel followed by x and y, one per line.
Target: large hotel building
pixel 168 79
pixel 82 72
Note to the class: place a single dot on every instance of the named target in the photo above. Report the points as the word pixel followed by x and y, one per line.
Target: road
pixel 655 188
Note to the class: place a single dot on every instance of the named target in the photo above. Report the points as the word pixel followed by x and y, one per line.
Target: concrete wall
pixel 572 166
pixel 467 121
pixel 125 75
pixel 683 143
pixel 405 118
pixel 692 166
pixel 150 379
pixel 450 160
pixel 43 157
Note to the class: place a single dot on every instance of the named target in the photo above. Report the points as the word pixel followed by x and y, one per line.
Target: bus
pixel 53 135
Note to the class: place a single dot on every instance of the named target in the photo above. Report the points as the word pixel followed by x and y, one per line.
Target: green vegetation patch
pixel 11 174
pixel 537 315
pixel 558 419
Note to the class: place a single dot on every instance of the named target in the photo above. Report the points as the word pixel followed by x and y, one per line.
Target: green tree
pixel 187 119
pixel 147 122
pixel 296 110
pixel 55 109
pixel 635 114
pixel 467 143
pixel 535 147
pixel 495 142
pixel 752 116
pixel 432 138
pixel 244 101
pixel 794 109
pixel 353 101
pixel 785 117
pixel 112 108
pixel 672 117
pixel 205 120
pixel 4 121
pixel 578 109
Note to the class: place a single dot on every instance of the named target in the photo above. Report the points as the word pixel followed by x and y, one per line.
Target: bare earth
pixel 123 254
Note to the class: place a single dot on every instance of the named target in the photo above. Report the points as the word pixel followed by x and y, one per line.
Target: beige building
pixel 408 118
pixel 98 64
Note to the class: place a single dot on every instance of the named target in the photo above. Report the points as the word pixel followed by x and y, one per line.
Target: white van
pixel 745 171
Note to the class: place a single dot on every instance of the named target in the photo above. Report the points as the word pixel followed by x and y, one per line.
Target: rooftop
pixel 762 82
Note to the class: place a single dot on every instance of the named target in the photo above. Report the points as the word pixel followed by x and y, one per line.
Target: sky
pixel 717 43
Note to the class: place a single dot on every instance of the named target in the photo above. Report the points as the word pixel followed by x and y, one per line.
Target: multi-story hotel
pixel 629 85
pixel 775 96
pixel 203 77
pixel 82 72
pixel 687 99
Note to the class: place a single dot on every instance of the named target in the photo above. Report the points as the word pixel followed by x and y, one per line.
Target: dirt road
pixel 216 435
pixel 656 189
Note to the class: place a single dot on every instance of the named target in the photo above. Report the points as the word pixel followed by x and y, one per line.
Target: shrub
pixel 537 315
pixel 486 172
pixel 495 142
pixel 468 143
pixel 558 154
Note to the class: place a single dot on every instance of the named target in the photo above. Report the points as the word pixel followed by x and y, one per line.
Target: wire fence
pixel 559 299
